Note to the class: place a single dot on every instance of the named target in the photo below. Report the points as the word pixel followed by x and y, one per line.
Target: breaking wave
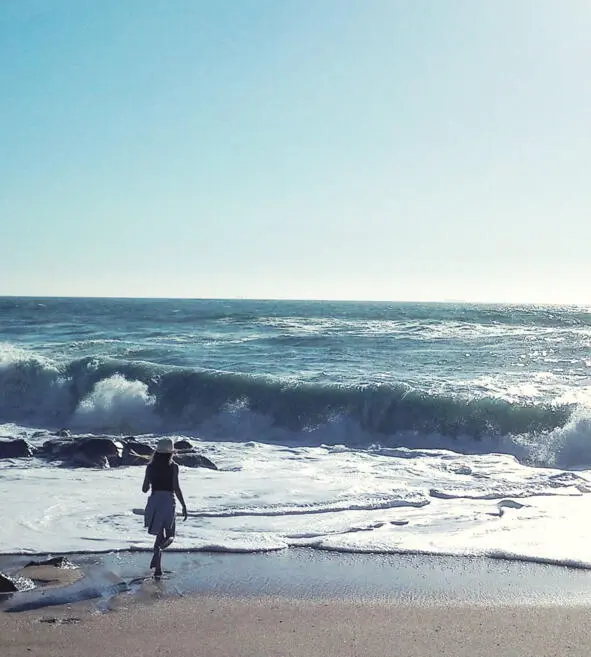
pixel 102 394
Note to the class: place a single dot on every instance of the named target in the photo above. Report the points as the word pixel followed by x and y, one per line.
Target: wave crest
pixel 101 394
pixel 116 405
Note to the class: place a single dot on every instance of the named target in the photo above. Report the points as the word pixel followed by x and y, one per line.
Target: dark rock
pixel 99 449
pixel 58 447
pixel 40 434
pixel 135 446
pixel 63 433
pixel 58 562
pixel 105 452
pixel 184 445
pixel 97 452
pixel 99 446
pixel 14 449
pixel 7 584
pixel 82 460
pixel 194 461
pixel 136 453
pixel 93 452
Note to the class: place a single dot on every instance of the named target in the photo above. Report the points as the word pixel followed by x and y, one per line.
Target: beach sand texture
pixel 232 627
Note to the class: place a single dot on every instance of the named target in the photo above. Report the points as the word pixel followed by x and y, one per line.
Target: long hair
pixel 161 460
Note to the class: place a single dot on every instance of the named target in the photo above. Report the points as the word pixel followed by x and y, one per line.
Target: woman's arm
pixel 146 484
pixel 177 490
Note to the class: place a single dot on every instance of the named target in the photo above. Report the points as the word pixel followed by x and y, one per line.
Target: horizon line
pixel 295 299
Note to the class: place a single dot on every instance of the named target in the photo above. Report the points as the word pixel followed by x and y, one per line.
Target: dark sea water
pixel 447 368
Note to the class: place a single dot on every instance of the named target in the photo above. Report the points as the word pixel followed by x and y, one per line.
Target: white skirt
pixel 160 513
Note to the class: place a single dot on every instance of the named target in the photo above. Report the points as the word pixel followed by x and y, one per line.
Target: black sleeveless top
pixel 162 477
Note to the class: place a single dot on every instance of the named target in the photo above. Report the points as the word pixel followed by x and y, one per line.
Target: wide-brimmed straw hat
pixel 165 446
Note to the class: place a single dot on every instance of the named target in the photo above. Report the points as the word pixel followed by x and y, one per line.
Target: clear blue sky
pixel 375 149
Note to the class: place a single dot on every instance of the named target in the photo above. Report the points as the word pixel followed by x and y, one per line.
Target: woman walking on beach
pixel 162 476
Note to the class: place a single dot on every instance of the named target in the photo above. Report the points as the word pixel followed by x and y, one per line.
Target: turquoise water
pixel 454 369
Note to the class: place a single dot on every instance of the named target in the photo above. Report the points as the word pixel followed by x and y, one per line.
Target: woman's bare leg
pixel 156 562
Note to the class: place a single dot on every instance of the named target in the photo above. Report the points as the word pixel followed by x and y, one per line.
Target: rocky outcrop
pixel 58 562
pixel 100 451
pixel 194 460
pixel 15 449
pixel 56 448
pixel 84 452
pixel 107 447
pixel 135 452
pixel 184 445
pixel 7 584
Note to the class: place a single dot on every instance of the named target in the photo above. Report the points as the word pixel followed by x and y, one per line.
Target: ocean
pixel 451 428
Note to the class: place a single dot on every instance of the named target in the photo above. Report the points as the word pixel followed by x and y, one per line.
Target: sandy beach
pixel 298 603
pixel 255 627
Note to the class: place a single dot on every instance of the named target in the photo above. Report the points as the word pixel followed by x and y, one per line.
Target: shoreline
pixel 302 574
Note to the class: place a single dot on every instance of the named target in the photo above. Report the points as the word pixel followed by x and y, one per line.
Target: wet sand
pixel 304 574
pixel 297 603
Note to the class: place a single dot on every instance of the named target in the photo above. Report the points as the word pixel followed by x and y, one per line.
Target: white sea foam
pixel 565 447
pixel 269 497
pixel 116 405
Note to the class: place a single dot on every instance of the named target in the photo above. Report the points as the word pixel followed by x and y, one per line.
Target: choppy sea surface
pixel 359 427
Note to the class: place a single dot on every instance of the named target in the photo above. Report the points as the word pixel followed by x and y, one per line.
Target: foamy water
pixel 447 429
pixel 268 497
